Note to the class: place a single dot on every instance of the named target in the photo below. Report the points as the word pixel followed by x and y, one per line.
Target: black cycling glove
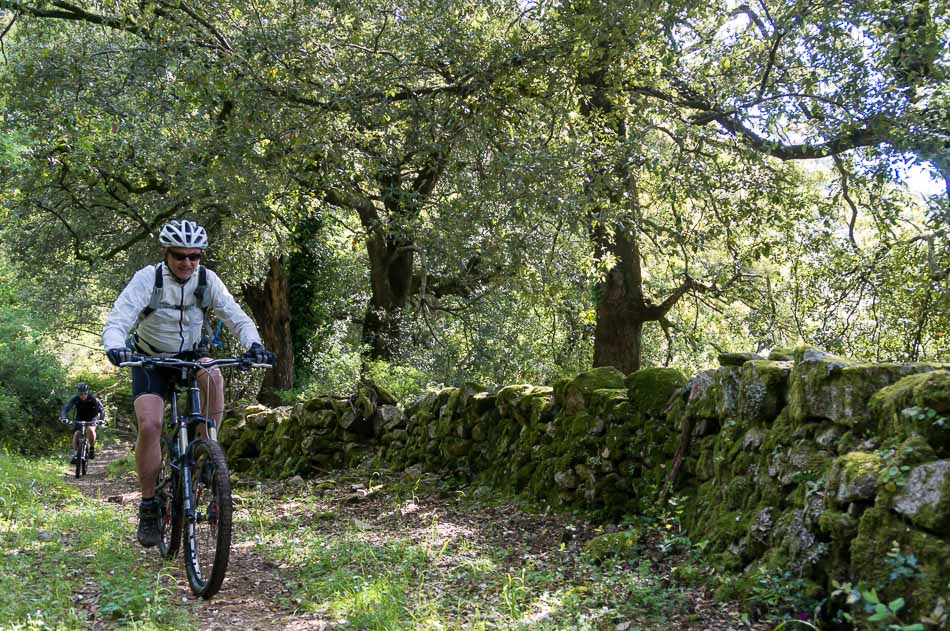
pixel 257 354
pixel 119 355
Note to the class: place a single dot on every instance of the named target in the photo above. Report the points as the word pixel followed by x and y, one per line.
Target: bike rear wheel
pixel 168 494
pixel 208 530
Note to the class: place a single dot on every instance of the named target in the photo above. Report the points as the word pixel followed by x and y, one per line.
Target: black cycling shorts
pixel 77 426
pixel 155 380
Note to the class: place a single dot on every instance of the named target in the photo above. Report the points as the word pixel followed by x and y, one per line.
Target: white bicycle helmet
pixel 183 234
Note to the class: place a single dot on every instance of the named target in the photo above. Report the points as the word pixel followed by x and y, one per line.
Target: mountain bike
pixel 193 486
pixel 82 443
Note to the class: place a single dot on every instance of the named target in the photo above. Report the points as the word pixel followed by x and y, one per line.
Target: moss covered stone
pixel 900 410
pixel 925 497
pixel 650 389
pixel 878 530
pixel 763 386
pixel 854 477
pixel 726 384
pixel 702 397
pixel 577 390
pixel 828 387
pixel 737 359
pixel 612 545
pixel 782 354
pixel 803 460
pixel 508 397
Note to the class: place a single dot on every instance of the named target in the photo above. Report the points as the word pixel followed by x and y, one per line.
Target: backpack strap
pixel 203 298
pixel 156 300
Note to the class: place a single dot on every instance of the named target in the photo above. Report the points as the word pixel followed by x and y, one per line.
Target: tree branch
pixel 68 11
pixel 875 130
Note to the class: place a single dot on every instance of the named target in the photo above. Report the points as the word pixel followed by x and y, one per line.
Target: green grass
pixel 70 562
pixel 448 571
pixel 121 467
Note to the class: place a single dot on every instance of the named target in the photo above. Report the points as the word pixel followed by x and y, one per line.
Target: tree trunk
pixel 621 308
pixel 270 304
pixel 619 329
pixel 391 266
pixel 612 187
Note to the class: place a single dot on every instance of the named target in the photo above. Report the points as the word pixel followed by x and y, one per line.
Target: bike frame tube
pixel 182 438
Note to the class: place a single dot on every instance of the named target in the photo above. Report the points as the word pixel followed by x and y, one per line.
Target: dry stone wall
pixel 802 462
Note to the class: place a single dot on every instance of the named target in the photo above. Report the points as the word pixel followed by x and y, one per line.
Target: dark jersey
pixel 85 410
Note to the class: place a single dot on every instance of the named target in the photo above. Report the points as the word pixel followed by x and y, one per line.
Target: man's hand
pixel 119 355
pixel 65 421
pixel 257 354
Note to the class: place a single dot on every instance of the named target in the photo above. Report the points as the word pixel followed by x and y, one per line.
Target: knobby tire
pixel 208 534
pixel 80 456
pixel 168 493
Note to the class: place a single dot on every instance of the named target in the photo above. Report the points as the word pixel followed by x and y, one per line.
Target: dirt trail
pixel 253 595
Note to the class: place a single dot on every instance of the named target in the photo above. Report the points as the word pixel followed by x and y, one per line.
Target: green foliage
pixel 30 375
pixel 863 606
pixel 928 416
pixel 403 382
pixel 870 613
pixel 500 152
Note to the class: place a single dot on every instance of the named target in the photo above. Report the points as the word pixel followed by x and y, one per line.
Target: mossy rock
pixel 726 385
pixel 826 387
pixel 702 395
pixel 456 448
pixel 763 388
pixel 619 546
pixel 737 492
pixel 705 465
pixel 841 528
pixel 230 430
pixel 878 531
pixel 559 387
pixel 422 405
pixel 244 447
pixel 900 410
pixel 924 498
pixel 509 398
pixel 737 359
pixel 577 390
pixel 801 461
pixel 854 477
pixel 782 354
pixel 602 401
pixel 838 525
pixel 650 389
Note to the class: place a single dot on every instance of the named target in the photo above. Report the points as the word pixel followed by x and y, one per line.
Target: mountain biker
pixel 172 327
pixel 88 408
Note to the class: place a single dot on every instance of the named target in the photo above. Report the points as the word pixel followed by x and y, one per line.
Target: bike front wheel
pixel 168 493
pixel 208 535
pixel 80 456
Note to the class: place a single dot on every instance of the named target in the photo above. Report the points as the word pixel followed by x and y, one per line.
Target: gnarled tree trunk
pixel 270 304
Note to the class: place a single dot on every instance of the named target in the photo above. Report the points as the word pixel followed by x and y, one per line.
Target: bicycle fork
pixel 188 508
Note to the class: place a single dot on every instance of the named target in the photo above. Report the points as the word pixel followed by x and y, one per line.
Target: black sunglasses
pixel 181 257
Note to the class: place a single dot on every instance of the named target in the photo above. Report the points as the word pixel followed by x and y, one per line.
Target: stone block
pixel 925 497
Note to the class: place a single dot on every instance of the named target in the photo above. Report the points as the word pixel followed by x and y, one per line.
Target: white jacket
pixel 176 326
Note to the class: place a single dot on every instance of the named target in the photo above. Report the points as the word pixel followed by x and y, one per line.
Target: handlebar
pixel 172 362
pixel 66 421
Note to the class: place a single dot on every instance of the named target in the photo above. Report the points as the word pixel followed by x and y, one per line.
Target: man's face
pixel 182 261
pixel 83 395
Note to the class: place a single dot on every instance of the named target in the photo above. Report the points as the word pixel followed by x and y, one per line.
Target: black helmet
pixel 82 388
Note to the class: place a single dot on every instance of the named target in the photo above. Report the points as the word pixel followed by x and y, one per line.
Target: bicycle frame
pixel 187 375
pixel 179 433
